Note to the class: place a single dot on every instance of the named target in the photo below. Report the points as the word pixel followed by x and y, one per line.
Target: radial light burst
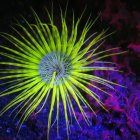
pixel 48 63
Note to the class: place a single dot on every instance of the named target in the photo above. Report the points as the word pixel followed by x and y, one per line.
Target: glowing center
pixel 54 62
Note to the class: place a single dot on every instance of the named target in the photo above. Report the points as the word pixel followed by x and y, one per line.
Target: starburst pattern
pixel 46 62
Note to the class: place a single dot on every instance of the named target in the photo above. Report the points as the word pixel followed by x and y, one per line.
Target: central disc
pixel 54 62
